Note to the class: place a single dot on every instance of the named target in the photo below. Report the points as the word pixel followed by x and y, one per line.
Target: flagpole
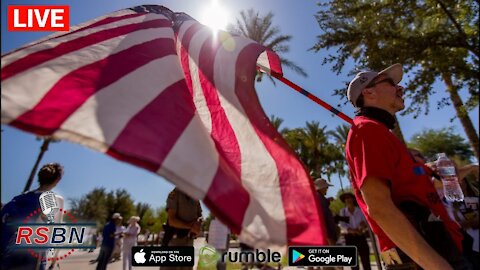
pixel 43 149
pixel 313 98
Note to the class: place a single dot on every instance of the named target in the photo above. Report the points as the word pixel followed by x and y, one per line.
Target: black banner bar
pixel 322 256
pixel 163 256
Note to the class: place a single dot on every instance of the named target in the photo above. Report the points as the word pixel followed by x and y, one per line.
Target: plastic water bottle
pixel 446 170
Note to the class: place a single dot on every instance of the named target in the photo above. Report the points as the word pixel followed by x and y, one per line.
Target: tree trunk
pixel 341 182
pixel 398 132
pixel 462 113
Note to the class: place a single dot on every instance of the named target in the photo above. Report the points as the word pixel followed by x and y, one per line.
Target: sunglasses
pixel 389 80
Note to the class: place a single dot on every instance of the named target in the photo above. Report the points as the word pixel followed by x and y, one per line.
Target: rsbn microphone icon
pixel 49 205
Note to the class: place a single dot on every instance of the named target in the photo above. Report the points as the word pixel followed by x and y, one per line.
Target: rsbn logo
pixel 38 18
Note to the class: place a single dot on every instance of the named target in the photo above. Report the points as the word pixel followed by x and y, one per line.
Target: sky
pixel 86 169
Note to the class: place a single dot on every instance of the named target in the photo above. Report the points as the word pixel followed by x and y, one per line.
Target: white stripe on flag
pixel 263 63
pixel 53 43
pixel 264 219
pixel 123 99
pixel 196 45
pixel 181 32
pixel 193 161
pixel 72 28
pixel 17 89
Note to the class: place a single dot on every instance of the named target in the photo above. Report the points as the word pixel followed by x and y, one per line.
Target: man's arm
pixel 393 222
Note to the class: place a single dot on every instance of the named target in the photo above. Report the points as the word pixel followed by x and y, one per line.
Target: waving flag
pixel 158 90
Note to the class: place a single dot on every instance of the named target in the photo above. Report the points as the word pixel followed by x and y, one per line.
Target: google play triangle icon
pixel 297 256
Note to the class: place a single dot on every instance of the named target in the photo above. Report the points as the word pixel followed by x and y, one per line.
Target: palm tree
pixel 315 140
pixel 260 29
pixel 340 134
pixel 276 123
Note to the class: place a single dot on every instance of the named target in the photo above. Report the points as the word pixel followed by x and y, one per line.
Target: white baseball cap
pixel 362 79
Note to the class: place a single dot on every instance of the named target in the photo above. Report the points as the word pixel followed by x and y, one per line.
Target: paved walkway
pixel 79 260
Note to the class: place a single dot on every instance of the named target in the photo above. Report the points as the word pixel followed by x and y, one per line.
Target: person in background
pixel 117 248
pixel 355 229
pixel 463 213
pixel 184 218
pixel 146 236
pixel 219 238
pixel 17 209
pixel 130 240
pixel 322 186
pixel 108 241
pixel 93 240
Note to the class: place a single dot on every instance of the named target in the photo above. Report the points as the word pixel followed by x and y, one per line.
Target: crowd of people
pixel 117 242
pixel 396 193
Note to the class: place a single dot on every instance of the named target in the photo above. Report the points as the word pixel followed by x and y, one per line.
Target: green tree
pixel 162 216
pixel 141 209
pixel 261 29
pixel 98 205
pixel 314 149
pixel 434 40
pixel 314 141
pixel 432 141
pixel 91 207
pixel 340 135
pixel 277 123
pixel 120 201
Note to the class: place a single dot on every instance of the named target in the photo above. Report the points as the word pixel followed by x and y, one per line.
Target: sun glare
pixel 215 16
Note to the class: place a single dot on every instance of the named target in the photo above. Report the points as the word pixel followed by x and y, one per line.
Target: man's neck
pixel 46 188
pixel 378 114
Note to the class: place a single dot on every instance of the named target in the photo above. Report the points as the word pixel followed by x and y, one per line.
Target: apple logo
pixel 140 256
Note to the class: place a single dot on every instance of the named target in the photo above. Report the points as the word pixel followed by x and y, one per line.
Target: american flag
pixel 158 90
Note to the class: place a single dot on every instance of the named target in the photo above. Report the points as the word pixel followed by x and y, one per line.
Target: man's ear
pixel 368 93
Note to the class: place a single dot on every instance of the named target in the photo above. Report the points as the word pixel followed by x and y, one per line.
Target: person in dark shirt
pixel 108 242
pixel 16 210
pixel 184 217
pixel 322 186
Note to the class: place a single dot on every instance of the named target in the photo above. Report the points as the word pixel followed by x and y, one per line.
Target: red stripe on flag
pixel 70 92
pixel 222 132
pixel 304 225
pixel 226 183
pixel 225 142
pixel 110 20
pixel 184 56
pixel 147 145
pixel 99 23
pixel 43 56
pixel 226 198
pixel 274 62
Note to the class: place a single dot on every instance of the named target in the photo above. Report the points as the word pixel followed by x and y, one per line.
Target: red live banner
pixel 38 18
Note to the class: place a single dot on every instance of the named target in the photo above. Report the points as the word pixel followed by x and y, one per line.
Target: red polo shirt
pixel 372 150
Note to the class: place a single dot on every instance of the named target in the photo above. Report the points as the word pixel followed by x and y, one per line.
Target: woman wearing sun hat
pixel 130 240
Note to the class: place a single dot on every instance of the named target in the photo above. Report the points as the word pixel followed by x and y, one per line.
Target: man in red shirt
pixel 387 180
